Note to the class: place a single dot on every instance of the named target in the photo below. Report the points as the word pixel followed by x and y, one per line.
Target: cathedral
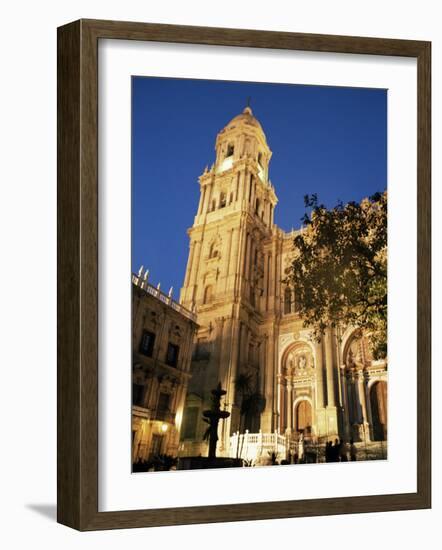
pixel 250 337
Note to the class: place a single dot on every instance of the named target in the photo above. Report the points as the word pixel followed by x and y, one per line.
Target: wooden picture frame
pixel 78 274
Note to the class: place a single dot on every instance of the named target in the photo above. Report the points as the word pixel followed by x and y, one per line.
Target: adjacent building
pixel 162 333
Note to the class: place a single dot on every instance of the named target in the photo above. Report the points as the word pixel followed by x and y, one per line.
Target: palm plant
pixel 252 403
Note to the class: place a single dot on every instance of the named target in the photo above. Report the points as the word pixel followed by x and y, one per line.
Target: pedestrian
pixel 328 451
pixel 343 451
pixel 301 447
pixel 353 451
pixel 334 451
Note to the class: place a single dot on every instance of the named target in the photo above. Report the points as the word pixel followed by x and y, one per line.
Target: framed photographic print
pixel 243 275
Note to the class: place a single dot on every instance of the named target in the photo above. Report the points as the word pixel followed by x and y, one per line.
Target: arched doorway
pixel 304 417
pixel 378 402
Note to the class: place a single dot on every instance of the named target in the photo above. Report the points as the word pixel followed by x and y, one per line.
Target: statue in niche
pixel 302 362
pixel 350 358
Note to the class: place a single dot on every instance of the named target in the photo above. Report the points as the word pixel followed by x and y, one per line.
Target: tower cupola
pixel 243 138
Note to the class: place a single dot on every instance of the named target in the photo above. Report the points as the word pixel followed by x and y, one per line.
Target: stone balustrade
pixel 259 446
pixel 141 282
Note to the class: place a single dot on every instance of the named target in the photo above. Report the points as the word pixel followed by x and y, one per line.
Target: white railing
pixel 142 283
pixel 258 446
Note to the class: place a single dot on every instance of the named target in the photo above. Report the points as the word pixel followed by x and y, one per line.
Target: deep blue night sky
pixel 325 140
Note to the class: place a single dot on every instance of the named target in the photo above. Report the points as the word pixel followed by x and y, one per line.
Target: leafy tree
pixel 339 272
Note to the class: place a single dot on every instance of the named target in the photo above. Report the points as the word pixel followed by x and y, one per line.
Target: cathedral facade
pixel 248 326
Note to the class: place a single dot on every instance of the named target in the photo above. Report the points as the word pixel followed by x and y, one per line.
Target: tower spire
pixel 248 109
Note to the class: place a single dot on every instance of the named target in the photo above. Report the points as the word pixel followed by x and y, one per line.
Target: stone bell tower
pixel 226 271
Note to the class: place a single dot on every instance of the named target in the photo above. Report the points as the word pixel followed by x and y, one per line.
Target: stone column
pixel 270 285
pixel 189 263
pixel 250 261
pixel 252 190
pixel 233 363
pixel 223 368
pixel 235 360
pixel 225 355
pixel 266 280
pixel 228 251
pixel 243 188
pixel 195 268
pixel 281 403
pixel 240 260
pixel 361 393
pixel 343 376
pixel 246 256
pixel 237 183
pixel 234 251
pixel 247 259
pixel 289 407
pixel 195 262
pixel 208 188
pixel 368 404
pixel 353 398
pixel 331 401
pixel 319 375
pixel 244 346
pixel 233 262
pixel 201 202
pixel 278 274
pixel 270 389
pixel 261 364
pixel 363 401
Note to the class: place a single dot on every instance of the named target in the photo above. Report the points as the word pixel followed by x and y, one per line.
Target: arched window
pixel 378 403
pixel 257 204
pixel 230 150
pixel 222 200
pixel 208 294
pixel 287 301
pixel 213 205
